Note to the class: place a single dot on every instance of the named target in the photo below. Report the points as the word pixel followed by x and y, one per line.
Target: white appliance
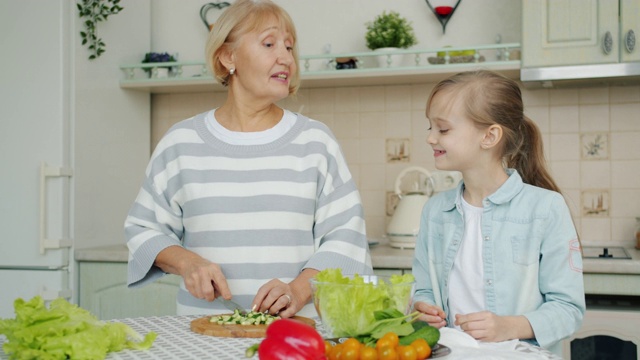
pixel 35 148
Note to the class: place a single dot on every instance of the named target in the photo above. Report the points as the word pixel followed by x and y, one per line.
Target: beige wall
pixel 363 118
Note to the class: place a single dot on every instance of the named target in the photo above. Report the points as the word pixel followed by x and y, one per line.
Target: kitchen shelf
pixel 318 71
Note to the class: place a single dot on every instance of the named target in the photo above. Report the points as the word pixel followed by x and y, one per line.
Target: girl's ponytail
pixel 527 156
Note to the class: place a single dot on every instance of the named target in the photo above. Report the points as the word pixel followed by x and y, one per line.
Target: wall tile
pixel 625 174
pixel 347 99
pixel 566 174
pixel 539 115
pixel 372 151
pixel 322 100
pixel 623 231
pixel 594 118
pixel 625 117
pixel 595 231
pixel 372 177
pixel 595 174
pixel 564 147
pixel 420 95
pixel 398 124
pixel 397 98
pixel 372 98
pixel 624 94
pixel 563 97
pixel 373 125
pixel 625 146
pixel 351 150
pixel 373 202
pixel 346 125
pixel 593 95
pixel 564 119
pixel 624 203
pixel 535 97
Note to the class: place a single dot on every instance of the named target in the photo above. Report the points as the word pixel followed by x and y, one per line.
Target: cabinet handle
pixel 630 41
pixel 46 172
pixel 607 43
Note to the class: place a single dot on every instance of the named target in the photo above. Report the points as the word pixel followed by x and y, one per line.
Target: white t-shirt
pixel 250 138
pixel 466 282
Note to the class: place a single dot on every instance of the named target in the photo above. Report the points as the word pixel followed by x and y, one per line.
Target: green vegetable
pixel 250 318
pixel 424 331
pixel 65 331
pixel 349 311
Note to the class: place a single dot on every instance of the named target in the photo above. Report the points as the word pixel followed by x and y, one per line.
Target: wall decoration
pixel 398 150
pixel 595 146
pixel 596 203
pixel 443 10
pixel 93 12
pixel 206 7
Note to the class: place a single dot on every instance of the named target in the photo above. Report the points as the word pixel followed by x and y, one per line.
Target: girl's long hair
pixel 491 98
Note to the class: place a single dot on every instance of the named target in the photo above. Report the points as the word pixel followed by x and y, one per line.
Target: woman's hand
pixel 202 278
pixel 431 314
pixel 284 299
pixel 489 327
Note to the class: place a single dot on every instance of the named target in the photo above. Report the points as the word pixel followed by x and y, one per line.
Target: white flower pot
pixel 389 60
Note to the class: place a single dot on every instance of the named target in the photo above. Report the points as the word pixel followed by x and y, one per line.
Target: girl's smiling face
pixel 454 137
pixel 264 62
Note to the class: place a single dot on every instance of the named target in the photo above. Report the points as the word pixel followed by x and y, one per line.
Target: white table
pixel 176 341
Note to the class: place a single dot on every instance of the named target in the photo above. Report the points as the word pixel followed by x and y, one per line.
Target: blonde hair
pixel 241 18
pixel 491 98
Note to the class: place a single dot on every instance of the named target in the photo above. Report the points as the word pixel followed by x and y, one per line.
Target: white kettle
pixel 405 222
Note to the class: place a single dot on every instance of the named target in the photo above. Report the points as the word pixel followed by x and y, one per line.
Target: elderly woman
pixel 247 201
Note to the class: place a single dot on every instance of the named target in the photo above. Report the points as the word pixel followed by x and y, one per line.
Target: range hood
pixel 619 74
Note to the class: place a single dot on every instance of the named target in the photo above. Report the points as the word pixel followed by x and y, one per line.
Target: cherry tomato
pixel 392 337
pixel 350 353
pixel 382 343
pixel 352 343
pixel 368 353
pixel 387 353
pixel 336 352
pixel 407 353
pixel 422 348
pixel 327 347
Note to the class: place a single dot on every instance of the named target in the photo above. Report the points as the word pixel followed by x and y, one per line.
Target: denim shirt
pixel 531 256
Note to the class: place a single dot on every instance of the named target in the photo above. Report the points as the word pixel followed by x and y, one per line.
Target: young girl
pixel 498 257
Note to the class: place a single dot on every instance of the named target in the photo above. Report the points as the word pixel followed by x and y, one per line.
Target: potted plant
pixel 389 31
pixel 160 71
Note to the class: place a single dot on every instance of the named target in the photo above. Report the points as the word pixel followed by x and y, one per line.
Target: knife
pixel 232 305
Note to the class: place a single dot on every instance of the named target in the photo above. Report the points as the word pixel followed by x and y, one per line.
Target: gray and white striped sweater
pixel 259 211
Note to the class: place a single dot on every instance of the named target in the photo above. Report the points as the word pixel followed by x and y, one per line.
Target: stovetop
pixel 605 252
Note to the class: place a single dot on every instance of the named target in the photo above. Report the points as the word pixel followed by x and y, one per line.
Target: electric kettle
pixel 405 222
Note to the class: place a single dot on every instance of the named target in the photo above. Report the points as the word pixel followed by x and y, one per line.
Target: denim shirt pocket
pixel 524 250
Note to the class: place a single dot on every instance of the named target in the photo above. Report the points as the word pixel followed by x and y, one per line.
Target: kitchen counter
pixel 176 340
pixel 385 257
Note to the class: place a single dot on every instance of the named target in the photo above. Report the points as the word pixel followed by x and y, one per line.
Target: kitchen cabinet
pixel 103 291
pixel 579 32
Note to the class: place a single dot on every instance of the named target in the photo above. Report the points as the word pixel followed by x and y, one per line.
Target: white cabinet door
pixel 104 292
pixel 569 32
pixel 629 30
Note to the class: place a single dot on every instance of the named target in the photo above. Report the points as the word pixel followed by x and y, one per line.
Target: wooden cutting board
pixel 205 327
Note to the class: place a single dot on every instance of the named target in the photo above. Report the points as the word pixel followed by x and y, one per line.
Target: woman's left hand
pixel 284 299
pixel 489 327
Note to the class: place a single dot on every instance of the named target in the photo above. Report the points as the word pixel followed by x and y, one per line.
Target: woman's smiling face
pixel 264 62
pixel 454 137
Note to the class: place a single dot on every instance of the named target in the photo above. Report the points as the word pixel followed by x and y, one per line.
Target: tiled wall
pixel 591 136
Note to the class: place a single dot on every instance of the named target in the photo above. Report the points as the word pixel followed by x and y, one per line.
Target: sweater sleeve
pixel 151 226
pixel 339 225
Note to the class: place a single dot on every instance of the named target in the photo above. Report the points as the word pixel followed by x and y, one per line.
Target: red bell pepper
pixel 289 339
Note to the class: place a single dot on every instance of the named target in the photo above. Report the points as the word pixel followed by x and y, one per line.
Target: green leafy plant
pixel 95 11
pixel 390 30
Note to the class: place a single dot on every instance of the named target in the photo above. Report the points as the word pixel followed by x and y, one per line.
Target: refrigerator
pixel 35 152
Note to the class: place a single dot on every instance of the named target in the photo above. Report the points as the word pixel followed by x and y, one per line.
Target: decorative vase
pixel 389 60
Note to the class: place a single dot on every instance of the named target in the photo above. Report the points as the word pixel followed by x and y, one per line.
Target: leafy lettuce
pixel 347 304
pixel 65 331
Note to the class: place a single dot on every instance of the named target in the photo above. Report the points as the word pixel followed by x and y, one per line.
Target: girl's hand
pixel 431 314
pixel 489 327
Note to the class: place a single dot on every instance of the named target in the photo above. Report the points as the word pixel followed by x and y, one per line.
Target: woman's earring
pixel 232 71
